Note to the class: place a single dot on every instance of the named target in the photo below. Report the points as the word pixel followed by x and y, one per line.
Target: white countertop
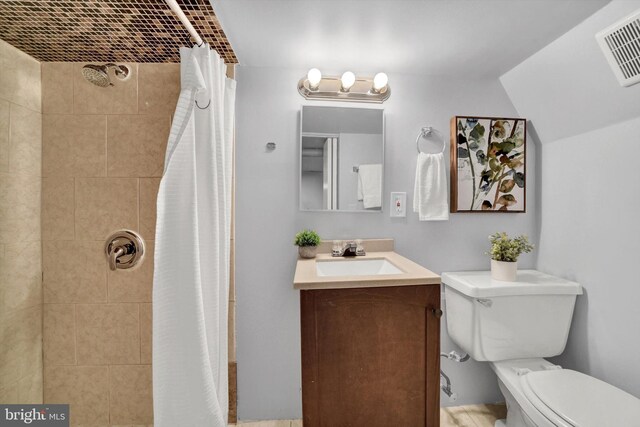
pixel 306 276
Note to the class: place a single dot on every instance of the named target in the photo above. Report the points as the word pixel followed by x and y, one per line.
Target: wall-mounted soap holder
pixel 124 249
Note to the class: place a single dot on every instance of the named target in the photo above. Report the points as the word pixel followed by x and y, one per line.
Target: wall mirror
pixel 341 159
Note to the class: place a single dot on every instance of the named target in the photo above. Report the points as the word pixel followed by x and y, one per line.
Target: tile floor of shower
pixel 456 416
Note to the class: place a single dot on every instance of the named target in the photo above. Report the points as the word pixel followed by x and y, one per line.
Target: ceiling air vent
pixel 620 44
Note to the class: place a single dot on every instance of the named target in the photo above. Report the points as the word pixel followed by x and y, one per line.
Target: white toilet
pixel 514 325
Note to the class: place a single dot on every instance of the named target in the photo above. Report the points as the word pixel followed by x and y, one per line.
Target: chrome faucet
pixel 348 248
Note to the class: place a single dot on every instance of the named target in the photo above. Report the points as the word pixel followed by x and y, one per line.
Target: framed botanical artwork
pixel 488 164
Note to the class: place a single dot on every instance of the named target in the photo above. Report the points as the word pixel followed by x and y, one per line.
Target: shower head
pixel 96 74
pixel 99 74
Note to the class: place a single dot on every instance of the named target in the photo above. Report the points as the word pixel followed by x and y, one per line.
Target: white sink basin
pixel 356 267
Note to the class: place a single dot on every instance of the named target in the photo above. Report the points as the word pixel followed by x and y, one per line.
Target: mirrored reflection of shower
pixel 99 74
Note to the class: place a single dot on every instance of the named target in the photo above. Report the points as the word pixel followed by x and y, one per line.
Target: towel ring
pixel 425 132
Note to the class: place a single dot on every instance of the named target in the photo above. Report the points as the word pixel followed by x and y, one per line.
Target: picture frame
pixel 488 164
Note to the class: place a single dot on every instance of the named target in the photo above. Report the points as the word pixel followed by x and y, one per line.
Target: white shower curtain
pixel 191 275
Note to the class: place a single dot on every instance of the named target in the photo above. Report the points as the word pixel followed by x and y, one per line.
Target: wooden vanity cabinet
pixel 371 356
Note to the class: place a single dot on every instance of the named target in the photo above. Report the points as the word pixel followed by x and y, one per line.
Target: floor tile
pixel 455 417
pixel 486 415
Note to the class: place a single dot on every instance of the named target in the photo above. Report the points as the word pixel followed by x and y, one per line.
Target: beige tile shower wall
pixel 103 153
pixel 20 237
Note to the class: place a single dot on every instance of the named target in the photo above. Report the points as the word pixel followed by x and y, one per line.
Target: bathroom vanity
pixel 370 340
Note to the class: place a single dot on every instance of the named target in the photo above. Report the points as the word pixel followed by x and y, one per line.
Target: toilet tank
pixel 494 320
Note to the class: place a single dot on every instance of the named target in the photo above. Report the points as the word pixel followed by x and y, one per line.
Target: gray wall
pixel 590 187
pixel 268 321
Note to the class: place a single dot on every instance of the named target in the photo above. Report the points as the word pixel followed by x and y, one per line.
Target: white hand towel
pixel 430 191
pixel 370 185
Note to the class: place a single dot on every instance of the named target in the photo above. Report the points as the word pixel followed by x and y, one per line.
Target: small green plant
pixel 506 249
pixel 307 238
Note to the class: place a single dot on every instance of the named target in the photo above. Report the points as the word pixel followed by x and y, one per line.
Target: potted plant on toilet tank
pixel 307 242
pixel 504 255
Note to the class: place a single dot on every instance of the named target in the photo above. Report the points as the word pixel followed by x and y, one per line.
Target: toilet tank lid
pixel 479 284
pixel 581 400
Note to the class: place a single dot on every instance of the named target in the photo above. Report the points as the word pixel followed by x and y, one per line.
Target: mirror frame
pixel 384 140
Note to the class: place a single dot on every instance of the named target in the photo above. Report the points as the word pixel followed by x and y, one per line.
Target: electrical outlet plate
pixel 398 208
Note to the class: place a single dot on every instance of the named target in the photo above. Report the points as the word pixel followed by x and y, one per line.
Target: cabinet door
pixel 370 357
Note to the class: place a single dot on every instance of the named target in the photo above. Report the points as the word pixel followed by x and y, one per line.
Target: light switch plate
pixel 398 208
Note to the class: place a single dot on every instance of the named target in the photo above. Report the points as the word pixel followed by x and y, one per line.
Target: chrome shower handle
pixel 124 249
pixel 113 257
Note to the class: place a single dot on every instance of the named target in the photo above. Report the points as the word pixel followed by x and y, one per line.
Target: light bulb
pixel 380 82
pixel 347 79
pixel 314 76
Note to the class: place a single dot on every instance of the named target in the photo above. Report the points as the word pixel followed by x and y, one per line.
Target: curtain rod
pixel 173 4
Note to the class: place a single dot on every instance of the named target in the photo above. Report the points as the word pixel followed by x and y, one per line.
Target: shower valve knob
pixel 124 249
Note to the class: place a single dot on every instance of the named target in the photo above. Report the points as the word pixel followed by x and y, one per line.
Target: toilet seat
pixel 578 400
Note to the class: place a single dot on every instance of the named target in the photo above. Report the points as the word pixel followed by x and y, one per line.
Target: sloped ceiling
pixel 568 88
pixel 438 37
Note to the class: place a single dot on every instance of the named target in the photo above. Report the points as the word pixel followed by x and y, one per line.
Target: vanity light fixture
pixel 347 80
pixel 347 87
pixel 380 82
pixel 314 76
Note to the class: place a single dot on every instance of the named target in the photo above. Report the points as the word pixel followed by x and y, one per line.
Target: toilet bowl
pixel 514 326
pixel 541 394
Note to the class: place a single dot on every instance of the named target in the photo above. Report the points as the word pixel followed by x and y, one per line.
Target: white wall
pixel 590 191
pixel 268 321
pixel 590 233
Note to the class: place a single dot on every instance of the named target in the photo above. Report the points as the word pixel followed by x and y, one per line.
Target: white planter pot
pixel 503 270
pixel 307 251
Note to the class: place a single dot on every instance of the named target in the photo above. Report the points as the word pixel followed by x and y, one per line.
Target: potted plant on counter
pixel 504 255
pixel 307 242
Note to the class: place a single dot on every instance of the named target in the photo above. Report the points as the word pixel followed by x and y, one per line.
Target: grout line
pixel 42 290
pixel 73 90
pixel 73 182
pixel 75 334
pixel 139 337
pixel 106 145
pixel 109 392
pixel 138 205
pixel 137 71
pixel 9 168
pixel 75 216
